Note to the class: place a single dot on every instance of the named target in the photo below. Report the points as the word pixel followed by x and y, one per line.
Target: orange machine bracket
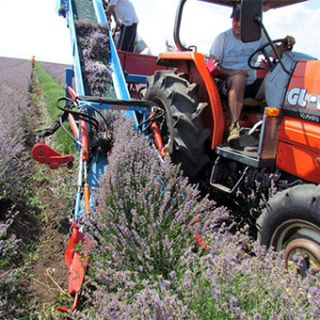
pixel 76 258
pixel 42 153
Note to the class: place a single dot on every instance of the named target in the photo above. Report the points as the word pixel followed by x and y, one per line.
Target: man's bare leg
pixel 260 94
pixel 236 88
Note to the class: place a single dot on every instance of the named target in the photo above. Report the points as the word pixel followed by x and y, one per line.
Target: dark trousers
pixel 127 37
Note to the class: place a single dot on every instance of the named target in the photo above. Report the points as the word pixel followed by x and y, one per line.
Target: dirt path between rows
pixel 46 277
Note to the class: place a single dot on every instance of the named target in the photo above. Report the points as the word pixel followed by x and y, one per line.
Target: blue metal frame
pixel 136 78
pixel 119 81
pixel 98 164
pixel 74 46
pixel 90 105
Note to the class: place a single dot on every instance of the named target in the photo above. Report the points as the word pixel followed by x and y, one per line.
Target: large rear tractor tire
pixel 291 222
pixel 182 128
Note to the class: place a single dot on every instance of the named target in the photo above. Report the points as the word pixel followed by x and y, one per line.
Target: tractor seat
pixel 252 103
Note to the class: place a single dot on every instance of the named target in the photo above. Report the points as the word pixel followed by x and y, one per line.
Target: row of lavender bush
pixel 94 57
pixel 56 70
pixel 147 264
pixel 15 127
pixel 15 139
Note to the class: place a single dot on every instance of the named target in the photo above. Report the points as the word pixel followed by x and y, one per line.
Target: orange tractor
pixel 280 137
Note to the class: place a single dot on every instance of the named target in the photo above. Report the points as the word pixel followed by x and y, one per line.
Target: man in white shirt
pixel 126 15
pixel 231 55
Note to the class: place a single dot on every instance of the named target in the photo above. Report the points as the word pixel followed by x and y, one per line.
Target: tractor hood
pixel 272 3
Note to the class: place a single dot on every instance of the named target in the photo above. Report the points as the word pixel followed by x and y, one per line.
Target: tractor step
pixel 221 187
pixel 215 177
pixel 247 155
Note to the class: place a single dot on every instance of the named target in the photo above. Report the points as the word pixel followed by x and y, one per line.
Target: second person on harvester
pixel 126 16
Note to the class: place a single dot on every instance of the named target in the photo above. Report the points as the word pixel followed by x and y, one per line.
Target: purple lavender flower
pixel 94 56
pixel 15 128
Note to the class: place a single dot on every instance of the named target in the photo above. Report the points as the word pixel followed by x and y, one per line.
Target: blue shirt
pixel 234 54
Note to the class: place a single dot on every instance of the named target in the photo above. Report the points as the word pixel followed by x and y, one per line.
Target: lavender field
pixel 146 262
pixel 21 209
pixel 15 137
pixel 56 70
pixel 148 266
pixel 16 125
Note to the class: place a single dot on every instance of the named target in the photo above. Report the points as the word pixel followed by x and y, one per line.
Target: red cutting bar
pixel 83 128
pixel 157 138
pixel 72 93
pixel 73 125
pixel 84 140
pixel 76 258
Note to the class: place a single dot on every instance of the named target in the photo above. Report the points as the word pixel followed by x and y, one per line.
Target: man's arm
pixel 224 71
pixel 110 11
pixel 286 45
pixel 111 8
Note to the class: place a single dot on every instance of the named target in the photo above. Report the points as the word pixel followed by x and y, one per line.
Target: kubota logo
pixel 296 96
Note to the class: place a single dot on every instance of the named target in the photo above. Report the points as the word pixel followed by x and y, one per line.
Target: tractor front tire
pixel 291 222
pixel 183 129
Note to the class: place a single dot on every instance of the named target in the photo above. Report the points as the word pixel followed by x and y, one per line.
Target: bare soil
pixel 48 276
pixel 43 225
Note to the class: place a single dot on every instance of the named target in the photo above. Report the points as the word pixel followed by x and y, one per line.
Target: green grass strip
pixel 51 92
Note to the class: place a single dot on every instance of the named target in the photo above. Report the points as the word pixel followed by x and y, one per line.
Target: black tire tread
pixel 186 114
pixel 299 202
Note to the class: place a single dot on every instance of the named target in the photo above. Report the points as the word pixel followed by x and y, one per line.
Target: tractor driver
pixel 231 57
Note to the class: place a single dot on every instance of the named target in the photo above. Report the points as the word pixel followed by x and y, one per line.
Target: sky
pixel 33 28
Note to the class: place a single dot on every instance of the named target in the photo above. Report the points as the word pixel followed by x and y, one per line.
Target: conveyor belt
pixel 84 10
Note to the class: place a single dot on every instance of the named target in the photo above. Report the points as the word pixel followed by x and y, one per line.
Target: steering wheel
pixel 270 63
